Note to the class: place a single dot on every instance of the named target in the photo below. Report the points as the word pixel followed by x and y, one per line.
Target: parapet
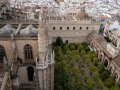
pixel 42 64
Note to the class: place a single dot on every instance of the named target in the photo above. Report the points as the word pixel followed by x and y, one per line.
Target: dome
pixel 7 29
pixel 29 30
pixel 81 15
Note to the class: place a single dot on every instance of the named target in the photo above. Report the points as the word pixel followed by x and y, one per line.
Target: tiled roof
pixel 102 42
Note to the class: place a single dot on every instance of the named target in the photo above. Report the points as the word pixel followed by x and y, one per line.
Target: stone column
pixel 112 74
pixel 52 76
pixel 118 44
pixel 40 80
pixel 118 82
pixel 13 53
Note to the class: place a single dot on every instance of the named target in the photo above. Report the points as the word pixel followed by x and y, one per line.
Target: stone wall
pixel 23 75
pixel 19 46
pixel 71 31
pixel 7 44
pixel 112 65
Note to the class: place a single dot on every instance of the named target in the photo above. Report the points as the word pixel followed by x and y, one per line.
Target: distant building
pixel 26 55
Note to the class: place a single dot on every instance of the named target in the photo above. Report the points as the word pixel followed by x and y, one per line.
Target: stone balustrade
pixel 41 64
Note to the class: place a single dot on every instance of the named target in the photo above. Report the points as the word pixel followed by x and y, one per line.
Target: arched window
pixel 86 28
pixel 80 28
pixel 60 28
pixel 28 52
pixel 106 63
pixel 111 70
pixel 73 28
pixel 115 76
pixel 53 28
pixel 2 53
pixel 67 28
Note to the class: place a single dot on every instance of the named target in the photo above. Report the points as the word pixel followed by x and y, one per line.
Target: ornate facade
pixel 26 55
pixel 26 48
pixel 107 53
pixel 30 55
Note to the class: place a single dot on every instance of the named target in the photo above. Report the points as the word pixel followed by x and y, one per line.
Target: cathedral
pixel 26 55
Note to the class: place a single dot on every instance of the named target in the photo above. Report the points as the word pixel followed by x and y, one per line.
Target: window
pixel 80 28
pixel 86 28
pixel 67 28
pixel 2 53
pixel 53 28
pixel 60 28
pixel 66 41
pixel 73 28
pixel 28 52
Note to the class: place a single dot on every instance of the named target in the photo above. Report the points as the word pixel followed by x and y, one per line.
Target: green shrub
pixel 110 82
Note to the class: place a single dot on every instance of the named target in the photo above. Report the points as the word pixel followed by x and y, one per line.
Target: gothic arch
pixel 115 76
pixel 80 28
pixel 101 56
pixel 53 28
pixel 106 63
pixel 60 28
pixel 111 69
pixel 98 50
pixel 2 53
pixel 28 52
pixel 30 72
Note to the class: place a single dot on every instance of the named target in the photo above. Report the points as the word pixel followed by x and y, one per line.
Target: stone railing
pixel 20 21
pixel 18 36
pixel 5 36
pixel 70 21
pixel 41 64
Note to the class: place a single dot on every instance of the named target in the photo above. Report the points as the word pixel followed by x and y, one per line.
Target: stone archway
pixel 111 69
pixel 30 71
pixel 115 76
pixel 101 57
pixel 106 63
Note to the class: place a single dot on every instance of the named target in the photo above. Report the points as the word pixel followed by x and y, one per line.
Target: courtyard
pixel 78 68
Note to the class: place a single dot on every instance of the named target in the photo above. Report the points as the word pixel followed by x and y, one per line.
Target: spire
pixel 42 35
pixel 42 17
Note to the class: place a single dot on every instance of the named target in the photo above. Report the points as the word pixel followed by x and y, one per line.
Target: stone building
pixel 108 52
pixel 26 55
pixel 30 55
pixel 10 13
pixel 25 48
